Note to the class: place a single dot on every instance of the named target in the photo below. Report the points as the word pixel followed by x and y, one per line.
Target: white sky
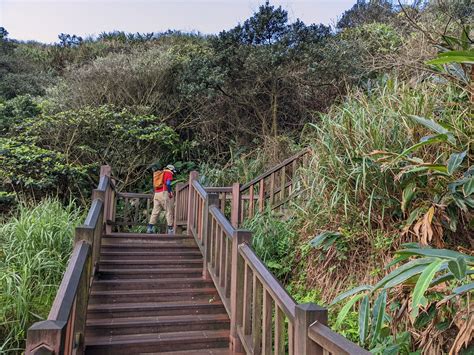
pixel 44 20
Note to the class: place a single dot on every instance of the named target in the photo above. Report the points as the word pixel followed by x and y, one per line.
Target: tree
pixel 367 11
pixel 3 33
pixel 68 41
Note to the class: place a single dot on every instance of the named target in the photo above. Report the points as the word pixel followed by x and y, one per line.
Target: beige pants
pixel 161 201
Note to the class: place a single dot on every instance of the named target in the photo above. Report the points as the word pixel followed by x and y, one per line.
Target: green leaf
pixel 465 57
pixel 350 293
pixel 464 288
pixel 434 126
pixel 325 239
pixel 422 285
pixel 458 267
pixel 408 194
pixel 402 269
pixel 468 187
pixel 378 315
pixel 436 253
pixel 344 310
pixel 454 161
pixel 432 140
pixel 363 319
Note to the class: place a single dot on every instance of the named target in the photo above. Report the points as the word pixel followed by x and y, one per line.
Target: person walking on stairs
pixel 163 198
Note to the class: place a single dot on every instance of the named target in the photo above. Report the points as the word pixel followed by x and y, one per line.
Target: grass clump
pixel 35 245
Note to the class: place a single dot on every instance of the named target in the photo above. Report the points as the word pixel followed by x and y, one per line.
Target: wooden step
pixel 137 296
pixel 149 263
pixel 215 351
pixel 160 324
pixel 162 273
pixel 146 239
pixel 156 343
pixel 123 254
pixel 149 284
pixel 121 310
pixel 142 247
pixel 146 235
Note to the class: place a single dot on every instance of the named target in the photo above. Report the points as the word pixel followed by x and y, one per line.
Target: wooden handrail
pixel 63 303
pixel 274 287
pixel 263 316
pixel 267 173
pixel 333 342
pixel 63 331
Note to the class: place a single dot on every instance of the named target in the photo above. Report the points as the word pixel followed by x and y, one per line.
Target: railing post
pixel 177 205
pixel 237 288
pixel 45 337
pixel 236 205
pixel 211 200
pixel 192 176
pixel 307 314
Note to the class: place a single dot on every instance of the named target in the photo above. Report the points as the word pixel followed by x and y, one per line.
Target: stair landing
pixel 150 298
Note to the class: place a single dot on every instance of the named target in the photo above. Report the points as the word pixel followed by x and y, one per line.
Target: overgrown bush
pixel 35 245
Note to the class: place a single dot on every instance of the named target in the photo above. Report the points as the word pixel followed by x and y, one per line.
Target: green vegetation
pixel 383 99
pixel 34 249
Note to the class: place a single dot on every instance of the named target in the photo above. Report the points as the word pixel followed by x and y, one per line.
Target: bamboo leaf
pixel 422 285
pixel 463 289
pixel 350 293
pixel 454 161
pixel 344 310
pixel 378 315
pixel 458 267
pixel 468 187
pixel 434 126
pixel 363 319
pixel 402 269
pixel 465 57
pixel 436 253
pixel 408 194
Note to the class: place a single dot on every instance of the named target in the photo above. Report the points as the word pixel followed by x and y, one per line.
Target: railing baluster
pixel 251 202
pixel 272 188
pixel 279 331
pixel 261 195
pixel 257 315
pixel 267 328
pixel 246 321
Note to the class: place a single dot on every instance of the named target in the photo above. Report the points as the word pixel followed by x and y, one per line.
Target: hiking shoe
pixel 170 230
pixel 150 229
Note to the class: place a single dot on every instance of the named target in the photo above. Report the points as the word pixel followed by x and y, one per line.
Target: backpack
pixel 158 178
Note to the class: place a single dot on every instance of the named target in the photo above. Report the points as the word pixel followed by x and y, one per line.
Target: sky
pixel 44 20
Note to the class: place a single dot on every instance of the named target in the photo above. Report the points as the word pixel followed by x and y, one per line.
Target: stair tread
pixel 151 271
pixel 138 281
pixel 137 321
pixel 149 261
pixel 141 292
pixel 140 235
pixel 151 305
pixel 214 351
pixel 187 336
pixel 135 245
pixel 151 253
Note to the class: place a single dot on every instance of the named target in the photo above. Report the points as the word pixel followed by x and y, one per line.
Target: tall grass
pixel 35 245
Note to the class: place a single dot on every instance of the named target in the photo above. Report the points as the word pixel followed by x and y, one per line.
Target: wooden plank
pixel 291 338
pixel 257 315
pixel 332 341
pixel 261 195
pixel 272 188
pixel 246 321
pixel 274 287
pixel 267 327
pixel 279 332
pixel 275 168
pixel 282 183
pixel 251 202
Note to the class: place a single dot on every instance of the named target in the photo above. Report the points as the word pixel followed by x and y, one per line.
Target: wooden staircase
pixel 149 296
pixel 133 293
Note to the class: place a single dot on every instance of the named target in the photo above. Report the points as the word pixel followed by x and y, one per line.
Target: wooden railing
pixel 272 189
pixel 63 331
pixel 264 318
